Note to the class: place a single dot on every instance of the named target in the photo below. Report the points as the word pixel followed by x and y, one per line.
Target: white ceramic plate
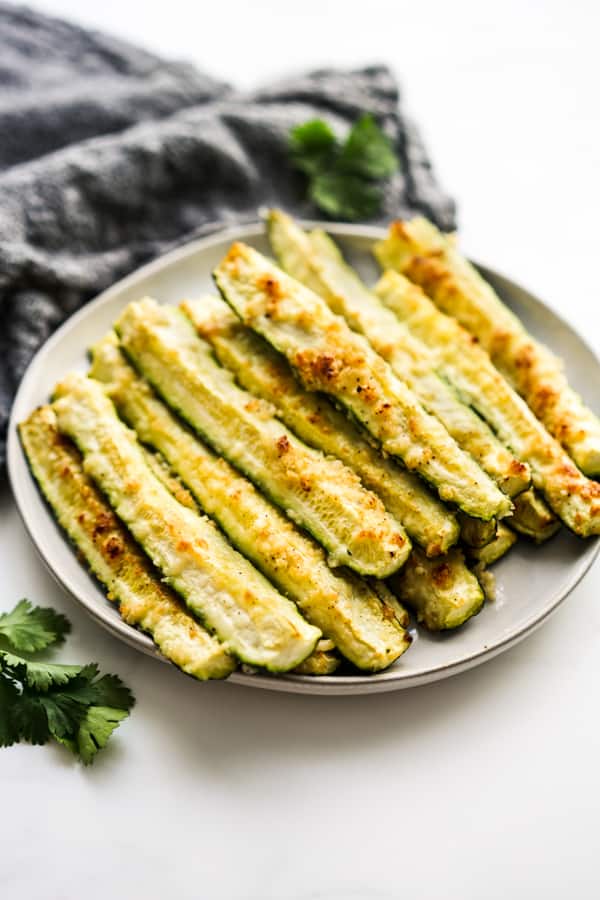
pixel 531 581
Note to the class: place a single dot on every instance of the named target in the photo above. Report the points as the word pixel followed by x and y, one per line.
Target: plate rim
pixel 329 685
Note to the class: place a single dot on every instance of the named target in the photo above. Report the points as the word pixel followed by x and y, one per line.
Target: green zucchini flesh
pixel 315 260
pixel 533 518
pixel 329 357
pixel 264 372
pixel 428 258
pixel 253 620
pixel 496 549
pixel 319 494
pixel 113 556
pixel 367 628
pixel 444 593
pixel 574 498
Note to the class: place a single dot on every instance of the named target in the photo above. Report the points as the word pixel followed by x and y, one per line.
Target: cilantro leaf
pixel 110 691
pixel 63 714
pixel 9 696
pixel 312 145
pixel 345 196
pixel 29 628
pixel 343 179
pixel 368 151
pixel 94 731
pixel 74 705
pixel 30 721
pixel 41 676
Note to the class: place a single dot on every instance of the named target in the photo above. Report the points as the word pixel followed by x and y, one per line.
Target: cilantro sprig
pixel 344 179
pixel 40 701
pixel 29 629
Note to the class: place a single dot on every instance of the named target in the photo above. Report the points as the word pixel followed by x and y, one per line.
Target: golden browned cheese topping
pixel 283 445
pixel 442 575
pixel 316 367
pixel 517 469
pixel 113 546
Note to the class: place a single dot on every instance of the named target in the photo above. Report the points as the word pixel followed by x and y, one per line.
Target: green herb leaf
pixel 29 720
pixel 345 196
pixel 75 705
pixel 312 145
pixel 95 730
pixel 63 714
pixel 37 675
pixel 110 691
pixel 9 697
pixel 368 151
pixel 342 180
pixel 30 628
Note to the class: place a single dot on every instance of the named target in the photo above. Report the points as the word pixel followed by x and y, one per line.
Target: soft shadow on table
pixel 232 730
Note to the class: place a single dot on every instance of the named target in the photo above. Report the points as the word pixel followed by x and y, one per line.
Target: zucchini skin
pixel 496 549
pixel 321 495
pixel 265 373
pixel 348 611
pixel 111 554
pixel 315 260
pixel 329 357
pixel 574 498
pixel 443 593
pixel 256 623
pixel 422 253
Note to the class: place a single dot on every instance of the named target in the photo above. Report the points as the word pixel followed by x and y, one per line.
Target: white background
pixel 485 786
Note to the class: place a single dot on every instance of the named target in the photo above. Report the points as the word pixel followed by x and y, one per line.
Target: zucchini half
pixel 365 626
pixel 423 254
pixel 496 549
pixel 315 260
pixel 319 494
pixel 264 372
pixel 324 660
pixel 329 357
pixel 255 622
pixel 533 518
pixel 113 556
pixel 444 593
pixel 574 498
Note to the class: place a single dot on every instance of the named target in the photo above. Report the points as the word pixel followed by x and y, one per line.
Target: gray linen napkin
pixel 110 155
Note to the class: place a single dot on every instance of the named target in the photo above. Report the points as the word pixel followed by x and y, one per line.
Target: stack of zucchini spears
pixel 266 478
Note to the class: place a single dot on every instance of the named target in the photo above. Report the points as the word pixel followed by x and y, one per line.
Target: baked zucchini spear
pixel 313 418
pixel 315 260
pixel 331 358
pixel 496 549
pixel 573 497
pixel 423 254
pixel 366 626
pixel 322 661
pixel 235 601
pixel 443 593
pixel 533 518
pixel 112 555
pixel 319 494
pixel 476 533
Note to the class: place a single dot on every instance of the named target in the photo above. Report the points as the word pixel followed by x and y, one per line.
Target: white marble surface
pixel 484 786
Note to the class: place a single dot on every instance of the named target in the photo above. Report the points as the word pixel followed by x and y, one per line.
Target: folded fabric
pixel 110 155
